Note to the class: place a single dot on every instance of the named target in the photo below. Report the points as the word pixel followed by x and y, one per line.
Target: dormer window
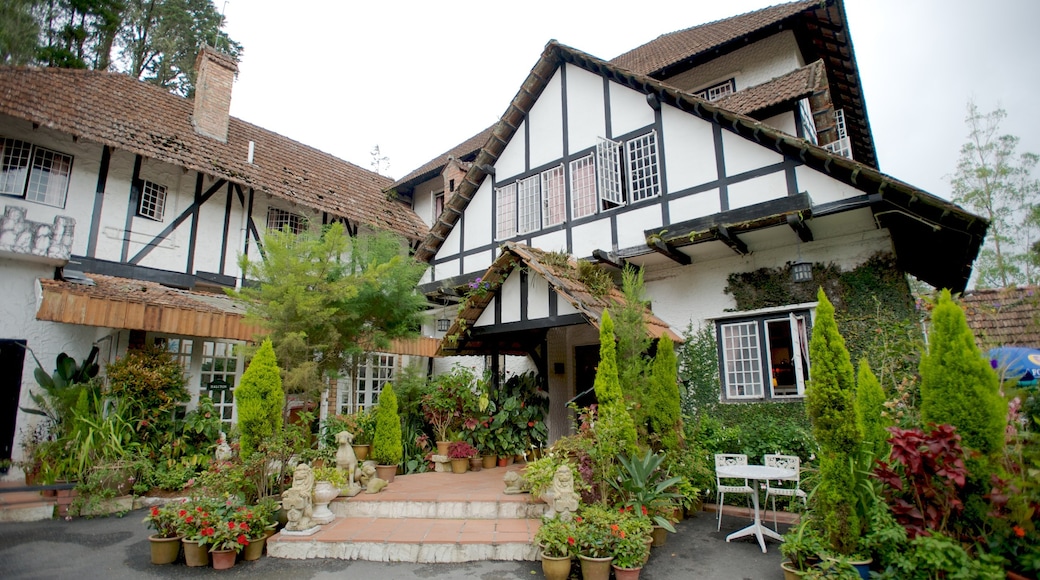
pixel 717 91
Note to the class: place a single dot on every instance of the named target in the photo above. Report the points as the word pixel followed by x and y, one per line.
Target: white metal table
pixel 755 473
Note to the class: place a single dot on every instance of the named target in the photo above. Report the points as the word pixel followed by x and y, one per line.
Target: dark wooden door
pixel 12 356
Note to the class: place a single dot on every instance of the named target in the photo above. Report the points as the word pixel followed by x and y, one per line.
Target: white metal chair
pixel 730 485
pixel 787 486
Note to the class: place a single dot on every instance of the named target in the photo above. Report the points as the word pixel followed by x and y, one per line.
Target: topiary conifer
pixel 664 413
pixel 870 406
pixel 615 426
pixel 260 399
pixel 387 448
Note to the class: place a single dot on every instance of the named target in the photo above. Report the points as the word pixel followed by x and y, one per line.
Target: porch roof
pixel 130 304
pixel 562 275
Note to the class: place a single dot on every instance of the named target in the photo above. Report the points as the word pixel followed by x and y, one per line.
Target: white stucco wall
pixel 546 123
pixel 585 116
pixel 749 66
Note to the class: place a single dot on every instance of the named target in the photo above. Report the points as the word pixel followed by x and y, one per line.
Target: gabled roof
pixel 563 278
pixel 935 240
pixel 121 112
pixel 819 26
pixel 1004 316
pixel 467 149
pixel 794 85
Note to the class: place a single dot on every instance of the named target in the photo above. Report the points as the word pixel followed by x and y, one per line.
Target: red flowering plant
pixel 164 520
pixel 597 531
pixel 1013 523
pixel 226 534
pixel 557 539
pixel 631 538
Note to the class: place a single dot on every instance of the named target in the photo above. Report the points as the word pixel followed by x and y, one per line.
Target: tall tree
pixel 19 32
pixel 997 182
pixel 327 299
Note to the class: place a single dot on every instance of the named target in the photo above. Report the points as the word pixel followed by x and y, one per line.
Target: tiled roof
pixel 1004 316
pixel 563 278
pixel 673 47
pixel 121 112
pixel 794 85
pixel 434 166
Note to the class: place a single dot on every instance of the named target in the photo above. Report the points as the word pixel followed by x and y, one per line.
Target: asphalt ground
pixel 116 548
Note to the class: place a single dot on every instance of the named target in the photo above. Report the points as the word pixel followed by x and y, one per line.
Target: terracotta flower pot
pixel 223 559
pixel 442 447
pixel 194 554
pixel 595 568
pixel 361 452
pixel 489 461
pixel 165 550
pixel 475 463
pixel 556 568
pixel 626 573
pixel 459 465
pixel 502 462
pixel 386 472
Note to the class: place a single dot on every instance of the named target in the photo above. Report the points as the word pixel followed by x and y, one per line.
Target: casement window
pixel 842 145
pixel 153 201
pixel 608 173
pixel 219 377
pixel 373 373
pixel 528 200
pixel 438 205
pixel 765 356
pixel 717 91
pixel 279 219
pixel 643 168
pixel 583 187
pixel 505 214
pixel 34 173
pixel 554 197
pixel 805 119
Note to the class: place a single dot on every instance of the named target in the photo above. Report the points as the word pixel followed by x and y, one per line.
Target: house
pixel 125 212
pixel 1004 316
pixel 722 149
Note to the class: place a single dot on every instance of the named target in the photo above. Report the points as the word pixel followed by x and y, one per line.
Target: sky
pixel 417 77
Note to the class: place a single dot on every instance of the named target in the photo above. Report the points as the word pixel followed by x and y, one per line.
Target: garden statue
pixel 297 500
pixel 347 461
pixel 223 452
pixel 561 497
pixel 375 485
pixel 514 483
pixel 366 473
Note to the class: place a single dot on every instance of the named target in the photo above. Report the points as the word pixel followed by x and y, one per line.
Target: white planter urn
pixel 324 492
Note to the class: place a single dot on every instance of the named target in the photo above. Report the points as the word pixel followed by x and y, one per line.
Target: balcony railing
pixel 21 239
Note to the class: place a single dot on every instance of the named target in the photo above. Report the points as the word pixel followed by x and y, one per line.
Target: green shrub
pixel 259 399
pixel 386 446
pixel 615 429
pixel 870 404
pixel 150 383
pixel 662 397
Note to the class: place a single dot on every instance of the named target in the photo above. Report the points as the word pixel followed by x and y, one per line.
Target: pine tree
pixel 958 385
pixel 663 408
pixel 829 402
pixel 870 403
pixel 259 399
pixel 386 446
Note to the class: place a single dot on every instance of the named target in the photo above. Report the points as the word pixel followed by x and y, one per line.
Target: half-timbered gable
pixel 599 163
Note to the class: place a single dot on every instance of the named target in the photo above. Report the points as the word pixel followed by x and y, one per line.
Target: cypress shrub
pixel 259 399
pixel 829 403
pixel 958 385
pixel 663 408
pixel 615 430
pixel 386 446
pixel 870 402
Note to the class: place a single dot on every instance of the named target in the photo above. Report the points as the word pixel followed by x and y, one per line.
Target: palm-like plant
pixel 645 487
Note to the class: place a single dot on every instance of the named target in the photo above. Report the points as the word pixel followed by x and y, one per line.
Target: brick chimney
pixel 215 75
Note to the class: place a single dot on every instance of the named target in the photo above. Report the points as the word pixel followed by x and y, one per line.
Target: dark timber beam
pixel 603 257
pixel 731 240
pixel 800 227
pixel 670 252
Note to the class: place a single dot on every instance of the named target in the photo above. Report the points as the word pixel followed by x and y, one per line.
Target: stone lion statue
pixel 562 499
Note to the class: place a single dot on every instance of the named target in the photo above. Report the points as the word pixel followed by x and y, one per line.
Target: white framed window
pixel 179 348
pixel 643 167
pixel 741 360
pixel 279 219
pixel 842 145
pixel 717 91
pixel 375 371
pixel 505 212
pixel 438 205
pixel 528 201
pixel 219 376
pixel 805 118
pixel 765 355
pixel 583 187
pixel 554 194
pixel 153 201
pixel 608 172
pixel 35 173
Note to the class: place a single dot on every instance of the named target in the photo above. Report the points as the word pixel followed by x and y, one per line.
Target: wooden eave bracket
pixel 798 224
pixel 731 240
pixel 604 257
pixel 670 252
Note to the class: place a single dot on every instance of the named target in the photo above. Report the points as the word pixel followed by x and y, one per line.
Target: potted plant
pixel 632 544
pixel 194 522
pixel 802 547
pixel 557 540
pixel 447 401
pixel 460 452
pixel 646 488
pixel 360 424
pixel 387 449
pixel 225 539
pixel 328 481
pixel 166 541
pixel 595 540
pixel 260 519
